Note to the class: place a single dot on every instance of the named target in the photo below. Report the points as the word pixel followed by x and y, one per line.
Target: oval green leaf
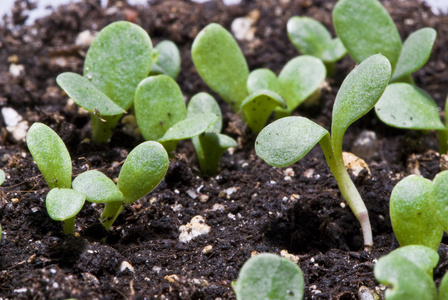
pixel 443 289
pixel 405 106
pixel 262 79
pixel 86 95
pixel 97 187
pixel 269 276
pixel 299 78
pixel 118 59
pixel 438 201
pixel 415 52
pixel 287 140
pixel 63 204
pixel 413 223
pixel 408 281
pixel 142 171
pixel 259 105
pixel 205 103
pixel 190 127
pixel 423 257
pixel 334 51
pixel 168 59
pixel 159 104
pixel 51 155
pixel 366 28
pixel 221 64
pixel 358 94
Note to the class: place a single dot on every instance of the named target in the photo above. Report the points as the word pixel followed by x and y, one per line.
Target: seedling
pixel 269 276
pixel 54 162
pixel 287 140
pixel 366 28
pixel 310 37
pixel 408 270
pixel 166 59
pixel 144 168
pixel 438 200
pixel 210 145
pixel 413 223
pixel 222 65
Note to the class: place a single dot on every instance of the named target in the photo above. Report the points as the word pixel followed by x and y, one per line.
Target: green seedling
pixel 210 145
pixel 63 205
pixel 438 201
pixel 310 37
pixel 366 28
pixel 221 64
pixel 408 273
pixel 2 177
pixel 166 59
pixel 406 106
pixel 144 168
pixel 54 162
pixel 269 276
pixel 287 140
pixel 413 223
pixel 118 59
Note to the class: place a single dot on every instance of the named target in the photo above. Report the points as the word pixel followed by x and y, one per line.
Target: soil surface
pixel 250 206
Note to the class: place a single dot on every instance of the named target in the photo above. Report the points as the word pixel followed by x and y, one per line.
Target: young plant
pixel 408 273
pixel 210 145
pixel 221 64
pixel 310 37
pixel 269 276
pixel 144 168
pixel 54 162
pixel 287 140
pixel 166 59
pixel 413 223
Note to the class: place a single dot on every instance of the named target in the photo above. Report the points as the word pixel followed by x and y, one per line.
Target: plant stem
pixel 110 213
pixel 443 140
pixel 68 226
pixel 102 127
pixel 331 68
pixel 347 188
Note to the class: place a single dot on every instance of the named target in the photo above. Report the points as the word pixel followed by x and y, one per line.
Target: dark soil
pixel 265 213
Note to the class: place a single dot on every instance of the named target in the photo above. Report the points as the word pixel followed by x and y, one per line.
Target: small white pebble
pixel 342 204
pixel 272 182
pixel 231 216
pixel 176 191
pixel 125 265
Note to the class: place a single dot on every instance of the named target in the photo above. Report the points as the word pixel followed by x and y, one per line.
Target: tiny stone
pixel 244 165
pixel 125 265
pixel 295 197
pixel 365 145
pixel 218 206
pixel 192 194
pixel 288 172
pixel 156 269
pixel 342 204
pixel 172 278
pixel 177 207
pixel 354 163
pixel 15 200
pixel 85 38
pixel 291 257
pixel 207 249
pixel 254 253
pixel 16 70
pixel 176 191
pixel 11 116
pixel 231 216
pixel 272 182
pixel 203 198
pixel 309 173
pixel 287 178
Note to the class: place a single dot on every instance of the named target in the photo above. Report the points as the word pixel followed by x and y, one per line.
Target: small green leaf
pixel 118 59
pixel 51 155
pixel 190 127
pixel 423 257
pixel 300 78
pixel 209 148
pixel 413 223
pixel 358 94
pixel 159 104
pixel 262 79
pixel 443 289
pixel 405 106
pixel 287 140
pixel 142 171
pixel 63 204
pixel 415 52
pixel 2 176
pixel 221 64
pixel 408 281
pixel 205 103
pixel 259 105
pixel 308 35
pixel 366 28
pixel 269 276
pixel 97 187
pixel 86 95
pixel 168 60
pixel 334 51
pixel 438 201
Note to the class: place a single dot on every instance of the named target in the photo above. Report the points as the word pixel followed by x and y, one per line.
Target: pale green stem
pixel 68 226
pixel 347 188
pixel 110 213
pixel 102 127
pixel 331 68
pixel 170 147
pixel 443 140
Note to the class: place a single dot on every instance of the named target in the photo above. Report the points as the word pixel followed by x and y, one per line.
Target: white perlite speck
pixel 195 228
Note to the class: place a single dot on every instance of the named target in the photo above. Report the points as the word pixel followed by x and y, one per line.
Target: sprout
pixel 269 276
pixel 166 59
pixel 312 38
pixel 222 65
pixel 287 140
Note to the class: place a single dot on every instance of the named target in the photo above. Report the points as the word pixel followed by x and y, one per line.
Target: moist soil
pixel 250 206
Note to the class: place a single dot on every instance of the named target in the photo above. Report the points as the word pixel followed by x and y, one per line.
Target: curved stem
pixel 102 127
pixel 110 213
pixel 68 226
pixel 443 140
pixel 347 188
